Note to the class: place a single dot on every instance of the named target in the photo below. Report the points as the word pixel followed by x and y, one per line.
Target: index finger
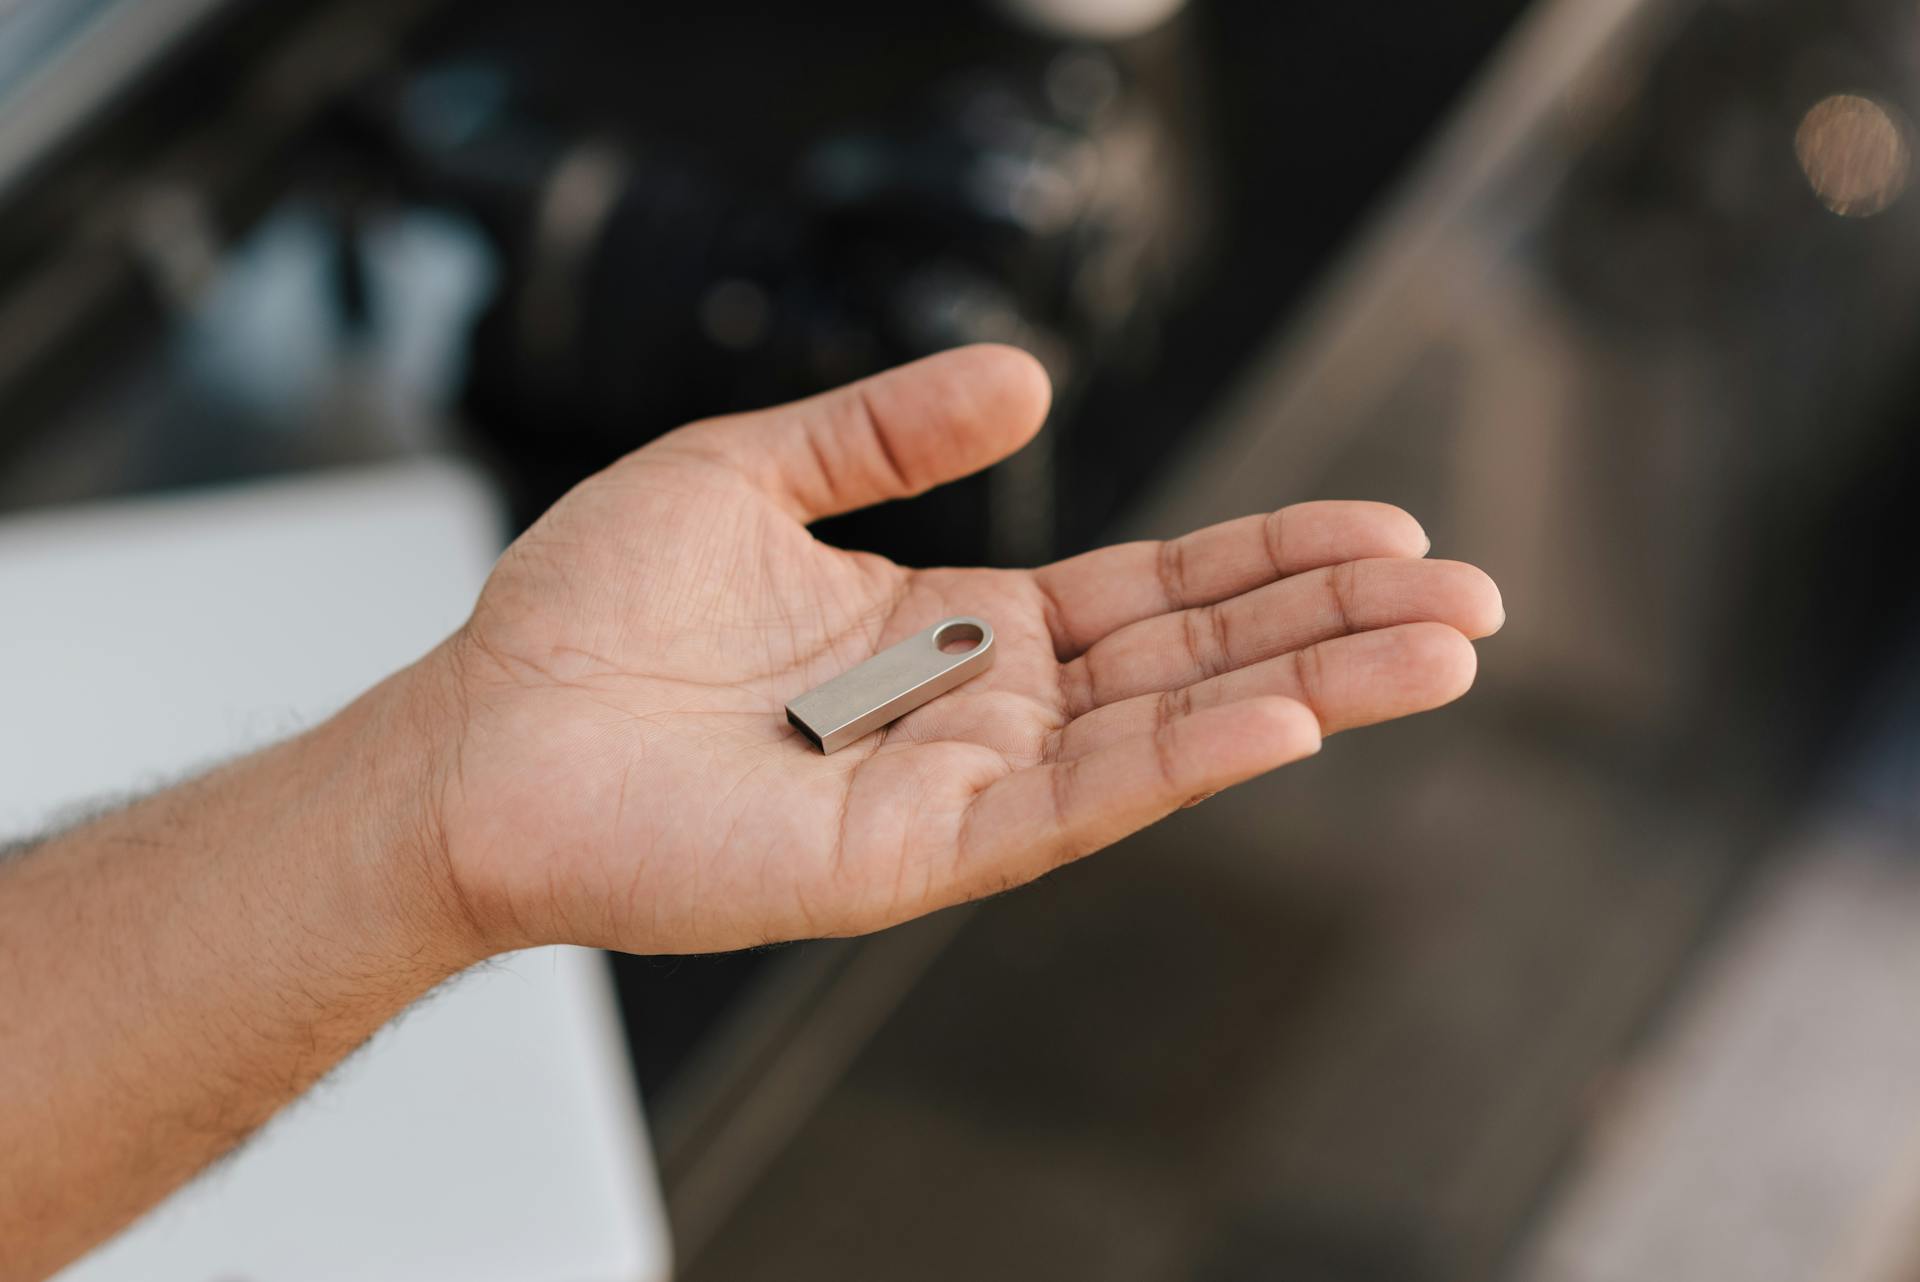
pixel 1101 591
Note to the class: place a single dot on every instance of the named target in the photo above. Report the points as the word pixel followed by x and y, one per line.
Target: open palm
pixel 627 778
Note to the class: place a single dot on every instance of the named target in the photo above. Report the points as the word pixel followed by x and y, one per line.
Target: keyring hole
pixel 958 638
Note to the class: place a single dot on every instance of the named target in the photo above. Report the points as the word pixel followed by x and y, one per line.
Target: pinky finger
pixel 1036 819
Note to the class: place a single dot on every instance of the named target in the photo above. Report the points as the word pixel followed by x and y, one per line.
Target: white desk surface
pixel 493 1134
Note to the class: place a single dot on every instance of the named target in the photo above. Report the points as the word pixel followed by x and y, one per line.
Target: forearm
pixel 174 973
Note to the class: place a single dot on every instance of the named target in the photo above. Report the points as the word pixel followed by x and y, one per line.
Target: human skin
pixel 599 756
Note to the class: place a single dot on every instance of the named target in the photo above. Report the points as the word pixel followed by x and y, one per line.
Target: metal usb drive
pixel 892 683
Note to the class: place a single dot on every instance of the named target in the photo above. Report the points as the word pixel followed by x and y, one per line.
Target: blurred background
pixel 1610 972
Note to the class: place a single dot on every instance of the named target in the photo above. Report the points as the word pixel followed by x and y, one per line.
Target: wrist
pixel 384 763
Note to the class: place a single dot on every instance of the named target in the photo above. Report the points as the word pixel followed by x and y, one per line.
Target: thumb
pixel 895 434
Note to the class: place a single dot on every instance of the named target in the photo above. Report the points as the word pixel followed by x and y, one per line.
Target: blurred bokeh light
pixel 1855 154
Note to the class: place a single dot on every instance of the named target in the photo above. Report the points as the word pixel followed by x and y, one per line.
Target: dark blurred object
pixel 648 283
pixel 143 145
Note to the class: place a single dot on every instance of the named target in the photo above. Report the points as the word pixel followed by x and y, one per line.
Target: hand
pixel 623 774
pixel 607 763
